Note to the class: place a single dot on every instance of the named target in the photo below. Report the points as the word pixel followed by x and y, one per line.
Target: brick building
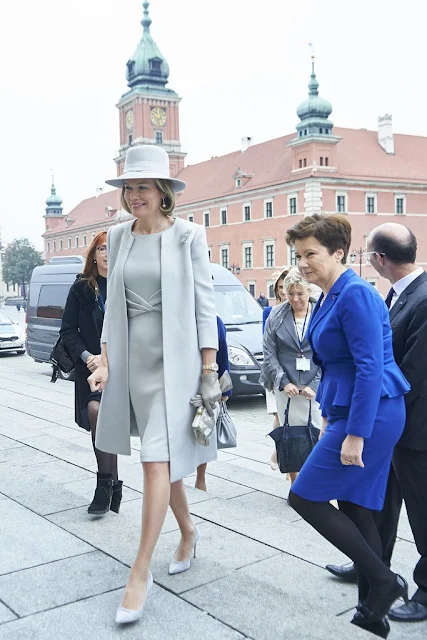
pixel 247 199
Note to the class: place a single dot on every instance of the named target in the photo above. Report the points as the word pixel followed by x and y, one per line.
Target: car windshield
pixel 235 305
pixel 4 319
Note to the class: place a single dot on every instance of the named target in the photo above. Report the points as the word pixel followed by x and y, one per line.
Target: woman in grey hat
pixel 159 344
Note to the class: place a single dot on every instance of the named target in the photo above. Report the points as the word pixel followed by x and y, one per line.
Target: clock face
pixel 158 116
pixel 129 119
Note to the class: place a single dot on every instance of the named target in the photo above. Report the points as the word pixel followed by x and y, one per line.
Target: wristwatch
pixel 210 367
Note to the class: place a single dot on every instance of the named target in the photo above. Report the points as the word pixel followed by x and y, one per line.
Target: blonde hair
pixel 168 195
pixel 295 279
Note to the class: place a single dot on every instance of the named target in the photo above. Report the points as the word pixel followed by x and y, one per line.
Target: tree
pixel 20 258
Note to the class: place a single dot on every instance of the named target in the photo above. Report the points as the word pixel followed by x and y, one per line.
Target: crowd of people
pixel 347 362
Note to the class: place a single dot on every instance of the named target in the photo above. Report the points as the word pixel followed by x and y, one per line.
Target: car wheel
pixel 66 376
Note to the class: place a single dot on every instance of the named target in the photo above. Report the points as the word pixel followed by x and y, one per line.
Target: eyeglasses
pixel 102 248
pixel 368 254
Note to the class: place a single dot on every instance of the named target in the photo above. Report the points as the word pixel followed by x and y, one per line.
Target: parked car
pixel 12 336
pixel 240 313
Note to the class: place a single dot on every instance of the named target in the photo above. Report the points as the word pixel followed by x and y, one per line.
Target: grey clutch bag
pixel 203 424
pixel 226 432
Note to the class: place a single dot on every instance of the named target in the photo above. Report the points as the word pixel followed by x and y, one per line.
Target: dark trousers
pixel 407 481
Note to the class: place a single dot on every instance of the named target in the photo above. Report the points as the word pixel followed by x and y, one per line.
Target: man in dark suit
pixel 392 251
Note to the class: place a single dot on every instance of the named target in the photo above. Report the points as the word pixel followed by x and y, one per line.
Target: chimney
pixel 246 143
pixel 99 191
pixel 385 133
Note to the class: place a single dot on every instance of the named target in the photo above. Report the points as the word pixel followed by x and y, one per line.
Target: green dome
pixel 54 202
pixel 314 106
pixel 147 66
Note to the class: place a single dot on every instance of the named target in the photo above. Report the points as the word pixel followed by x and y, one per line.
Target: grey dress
pixel 146 372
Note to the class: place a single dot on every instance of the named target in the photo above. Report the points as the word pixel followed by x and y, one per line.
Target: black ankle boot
pixel 117 496
pixel 379 628
pixel 103 494
pixel 380 600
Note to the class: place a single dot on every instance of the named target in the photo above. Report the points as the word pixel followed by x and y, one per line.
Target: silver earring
pixel 163 203
pixel 94 260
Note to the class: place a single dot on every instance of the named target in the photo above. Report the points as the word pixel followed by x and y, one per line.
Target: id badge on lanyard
pixel 303 364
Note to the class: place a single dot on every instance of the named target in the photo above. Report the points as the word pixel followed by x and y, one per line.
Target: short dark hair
pixel 393 248
pixel 332 231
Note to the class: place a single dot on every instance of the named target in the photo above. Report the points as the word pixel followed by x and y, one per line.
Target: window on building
pixel 69 243
pixel 326 162
pixel 341 203
pixel 206 219
pixel 155 67
pixel 93 234
pixel 321 161
pixel 373 282
pixel 269 254
pixel 223 216
pixel 251 289
pixel 304 162
pixel 54 245
pixel 292 205
pixel 271 293
pixel 268 208
pixel 48 247
pixel 77 241
pixel 224 257
pixel 246 212
pixel 247 257
pixel 292 257
pixel 129 139
pixel 190 217
pixel 305 132
pixel 159 137
pixel 61 245
pixel 300 163
pixel 321 130
pixel 400 204
pixel 85 240
pixel 131 68
pixel 238 182
pixel 210 254
pixel 370 204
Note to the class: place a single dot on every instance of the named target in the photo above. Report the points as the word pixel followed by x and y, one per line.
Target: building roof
pixel 90 211
pixel 358 156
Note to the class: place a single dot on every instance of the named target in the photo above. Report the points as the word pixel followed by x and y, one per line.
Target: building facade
pixel 248 199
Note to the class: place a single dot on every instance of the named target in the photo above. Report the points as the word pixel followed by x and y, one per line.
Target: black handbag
pixel 226 432
pixel 294 444
pixel 60 359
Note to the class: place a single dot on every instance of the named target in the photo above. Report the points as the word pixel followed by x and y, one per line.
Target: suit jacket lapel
pixel 326 303
pixel 288 322
pixel 403 298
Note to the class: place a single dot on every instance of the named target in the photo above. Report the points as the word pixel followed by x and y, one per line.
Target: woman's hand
pixel 291 390
pixel 351 451
pixel 99 378
pixel 93 362
pixel 308 393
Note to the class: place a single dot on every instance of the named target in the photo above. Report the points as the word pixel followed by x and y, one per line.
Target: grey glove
pixel 210 391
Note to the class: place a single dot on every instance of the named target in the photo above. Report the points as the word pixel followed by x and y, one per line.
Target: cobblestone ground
pixel 259 571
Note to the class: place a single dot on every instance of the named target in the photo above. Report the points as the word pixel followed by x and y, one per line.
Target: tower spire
pixel 146 20
pixel 313 84
pixel 53 188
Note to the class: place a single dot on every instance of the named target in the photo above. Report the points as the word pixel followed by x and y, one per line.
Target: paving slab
pixel 62 582
pixel 7 443
pixel 219 553
pixel 217 487
pixel 272 482
pixel 5 615
pixel 262 613
pixel 165 617
pixel 28 540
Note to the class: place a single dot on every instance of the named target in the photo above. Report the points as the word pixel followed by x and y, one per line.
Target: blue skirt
pixel 324 478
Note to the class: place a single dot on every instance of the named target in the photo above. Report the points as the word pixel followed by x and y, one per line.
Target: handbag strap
pixel 309 425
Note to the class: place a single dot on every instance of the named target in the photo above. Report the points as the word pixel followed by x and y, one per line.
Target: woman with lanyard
pixel 288 366
pixel 81 334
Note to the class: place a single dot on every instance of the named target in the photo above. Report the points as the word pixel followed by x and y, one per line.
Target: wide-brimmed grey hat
pixel 147 161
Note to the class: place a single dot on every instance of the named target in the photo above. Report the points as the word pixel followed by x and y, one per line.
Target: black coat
pixel 80 331
pixel 408 318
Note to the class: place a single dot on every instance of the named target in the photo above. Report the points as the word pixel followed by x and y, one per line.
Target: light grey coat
pixel 189 325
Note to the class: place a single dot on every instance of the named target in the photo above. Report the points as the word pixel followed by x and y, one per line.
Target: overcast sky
pixel 240 66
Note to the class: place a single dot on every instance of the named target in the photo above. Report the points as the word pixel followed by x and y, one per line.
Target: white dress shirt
pixel 400 286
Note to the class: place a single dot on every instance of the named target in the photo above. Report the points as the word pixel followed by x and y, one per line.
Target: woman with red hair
pixel 81 334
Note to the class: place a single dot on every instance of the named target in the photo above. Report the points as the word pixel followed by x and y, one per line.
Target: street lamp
pixel 234 268
pixel 353 255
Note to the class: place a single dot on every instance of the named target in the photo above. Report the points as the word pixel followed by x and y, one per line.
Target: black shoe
pixel 101 502
pixel 117 496
pixel 410 612
pixel 379 628
pixel 380 600
pixel 346 574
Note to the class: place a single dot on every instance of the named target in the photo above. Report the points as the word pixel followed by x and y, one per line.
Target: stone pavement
pixel 259 571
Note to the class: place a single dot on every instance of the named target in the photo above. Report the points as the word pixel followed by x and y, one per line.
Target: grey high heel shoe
pixel 124 616
pixel 184 565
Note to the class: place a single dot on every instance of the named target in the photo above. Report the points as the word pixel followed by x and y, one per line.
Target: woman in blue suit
pixel 361 399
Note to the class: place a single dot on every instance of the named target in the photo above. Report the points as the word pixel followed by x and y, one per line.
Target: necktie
pixel 389 298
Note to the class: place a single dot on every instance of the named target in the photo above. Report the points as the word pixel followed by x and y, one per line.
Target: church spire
pixel 146 20
pixel 54 202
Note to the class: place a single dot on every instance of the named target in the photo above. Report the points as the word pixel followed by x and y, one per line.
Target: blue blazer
pixel 351 339
pixel 222 353
pixel 265 313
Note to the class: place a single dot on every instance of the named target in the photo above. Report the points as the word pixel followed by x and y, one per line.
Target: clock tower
pixel 149 111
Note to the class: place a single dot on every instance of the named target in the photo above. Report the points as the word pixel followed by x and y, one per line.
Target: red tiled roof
pixel 89 211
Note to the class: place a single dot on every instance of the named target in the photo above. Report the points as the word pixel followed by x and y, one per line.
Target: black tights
pixel 352 530
pixel 107 462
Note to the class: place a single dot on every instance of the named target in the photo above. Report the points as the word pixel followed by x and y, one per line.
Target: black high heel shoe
pixel 380 628
pixel 379 602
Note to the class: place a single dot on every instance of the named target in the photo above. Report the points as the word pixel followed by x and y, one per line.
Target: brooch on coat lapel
pixel 185 236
